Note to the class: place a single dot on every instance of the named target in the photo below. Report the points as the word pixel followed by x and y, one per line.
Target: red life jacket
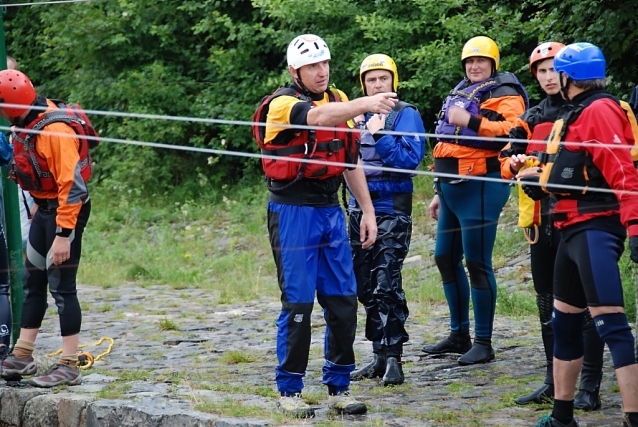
pixel 31 170
pixel 540 132
pixel 325 145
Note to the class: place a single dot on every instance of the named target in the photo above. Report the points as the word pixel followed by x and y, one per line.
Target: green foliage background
pixel 216 59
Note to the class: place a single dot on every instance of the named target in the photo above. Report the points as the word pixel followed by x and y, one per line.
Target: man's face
pixel 314 76
pixel 547 76
pixel 478 68
pixel 377 81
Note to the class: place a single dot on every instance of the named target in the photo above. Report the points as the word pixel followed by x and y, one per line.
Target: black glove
pixel 633 246
pixel 534 192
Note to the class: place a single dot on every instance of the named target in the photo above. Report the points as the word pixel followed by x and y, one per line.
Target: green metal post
pixel 12 221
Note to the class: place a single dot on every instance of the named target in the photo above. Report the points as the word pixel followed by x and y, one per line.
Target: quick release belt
pixel 450 165
pixel 50 205
pixel 334 145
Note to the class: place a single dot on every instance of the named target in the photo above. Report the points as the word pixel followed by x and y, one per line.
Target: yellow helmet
pixel 481 46
pixel 379 61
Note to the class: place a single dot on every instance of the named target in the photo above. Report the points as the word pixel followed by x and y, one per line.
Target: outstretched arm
pixel 334 113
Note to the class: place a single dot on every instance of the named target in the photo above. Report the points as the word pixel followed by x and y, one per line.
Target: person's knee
pixel 446 267
pixel 568 333
pixel 479 274
pixel 616 333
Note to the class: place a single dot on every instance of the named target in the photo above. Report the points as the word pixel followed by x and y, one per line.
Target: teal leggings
pixel 467 226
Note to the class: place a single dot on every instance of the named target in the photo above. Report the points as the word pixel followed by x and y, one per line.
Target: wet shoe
pixel 393 372
pixel 12 366
pixel 481 352
pixel 374 369
pixel 587 400
pixel 345 403
pixel 59 374
pixel 455 343
pixel 542 394
pixel 549 421
pixel 295 406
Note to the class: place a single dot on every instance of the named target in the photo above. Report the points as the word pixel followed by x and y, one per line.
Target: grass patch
pixel 230 408
pixel 105 308
pixel 136 375
pixel 235 357
pixel 167 325
pixel 114 391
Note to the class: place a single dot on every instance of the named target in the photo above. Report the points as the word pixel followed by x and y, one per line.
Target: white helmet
pixel 307 49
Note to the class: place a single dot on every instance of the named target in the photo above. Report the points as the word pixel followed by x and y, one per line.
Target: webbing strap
pixel 334 145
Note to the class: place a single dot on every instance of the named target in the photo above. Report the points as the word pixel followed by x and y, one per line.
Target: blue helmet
pixel 580 61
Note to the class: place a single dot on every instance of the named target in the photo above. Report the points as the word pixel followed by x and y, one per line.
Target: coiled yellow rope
pixel 85 359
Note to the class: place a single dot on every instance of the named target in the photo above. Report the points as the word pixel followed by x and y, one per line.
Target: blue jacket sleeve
pixel 6 150
pixel 403 151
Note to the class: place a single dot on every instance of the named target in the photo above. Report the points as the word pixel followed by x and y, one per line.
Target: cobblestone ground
pixel 221 358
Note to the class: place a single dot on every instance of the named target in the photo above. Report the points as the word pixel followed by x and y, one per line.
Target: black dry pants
pixel 379 281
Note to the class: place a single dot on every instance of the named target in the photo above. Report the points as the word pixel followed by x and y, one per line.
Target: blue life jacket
pixel 369 154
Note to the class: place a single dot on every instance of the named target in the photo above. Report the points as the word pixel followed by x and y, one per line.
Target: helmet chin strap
pixel 300 83
pixel 564 88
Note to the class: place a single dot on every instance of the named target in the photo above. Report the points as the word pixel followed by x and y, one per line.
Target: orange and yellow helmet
pixel 379 61
pixel 481 46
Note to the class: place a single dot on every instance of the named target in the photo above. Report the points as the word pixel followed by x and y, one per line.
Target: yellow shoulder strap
pixel 553 143
pixel 634 128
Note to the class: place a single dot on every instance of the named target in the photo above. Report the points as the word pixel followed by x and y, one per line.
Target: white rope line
pixel 319 162
pixel 41 3
pixel 202 120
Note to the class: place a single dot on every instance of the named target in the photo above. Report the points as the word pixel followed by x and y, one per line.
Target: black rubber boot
pixel 481 352
pixel 374 369
pixel 545 392
pixel 542 394
pixel 547 333
pixel 456 343
pixel 588 396
pixel 630 419
pixel 393 372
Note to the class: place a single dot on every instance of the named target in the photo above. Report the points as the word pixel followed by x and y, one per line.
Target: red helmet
pixel 16 88
pixel 542 52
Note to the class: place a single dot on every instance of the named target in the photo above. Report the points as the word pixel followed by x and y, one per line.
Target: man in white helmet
pixel 306 223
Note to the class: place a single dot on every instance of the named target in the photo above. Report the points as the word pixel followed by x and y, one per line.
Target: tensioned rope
pixel 41 3
pixel 202 120
pixel 222 152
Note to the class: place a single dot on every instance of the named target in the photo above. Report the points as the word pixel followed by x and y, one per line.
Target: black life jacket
pixel 576 168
